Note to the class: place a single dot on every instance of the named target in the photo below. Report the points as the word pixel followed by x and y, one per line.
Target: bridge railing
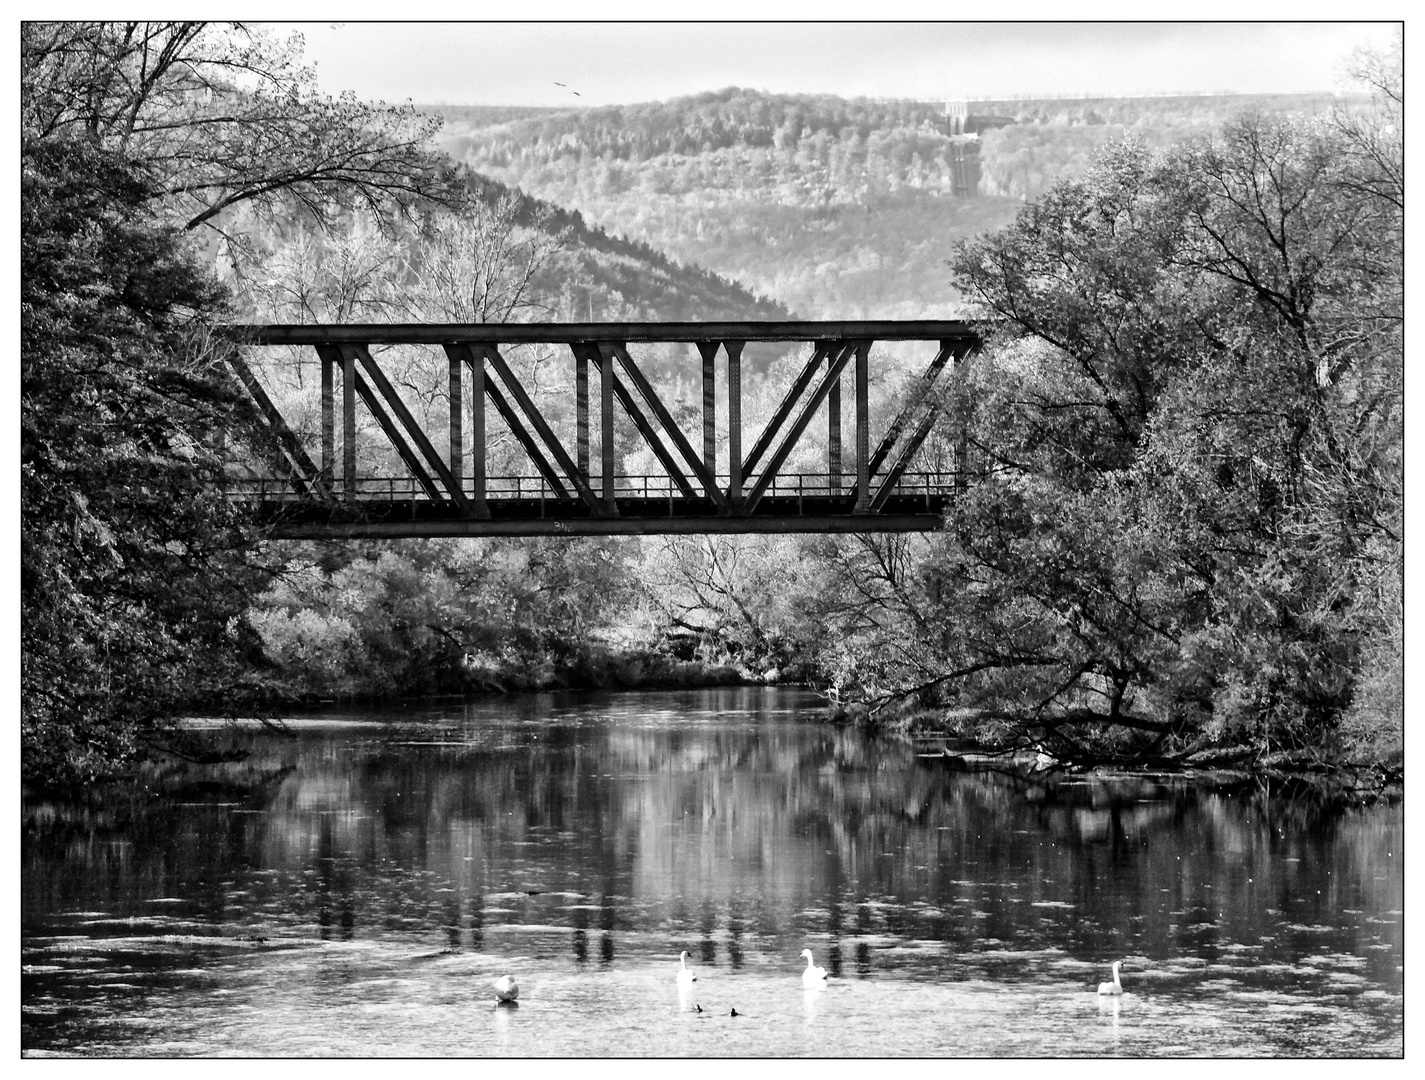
pixel 370 489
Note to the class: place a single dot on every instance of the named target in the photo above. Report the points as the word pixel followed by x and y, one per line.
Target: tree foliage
pixel 412 617
pixel 225 116
pixel 131 588
pixel 1186 529
pixel 135 568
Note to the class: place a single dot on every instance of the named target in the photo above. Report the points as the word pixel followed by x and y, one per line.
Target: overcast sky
pixel 613 63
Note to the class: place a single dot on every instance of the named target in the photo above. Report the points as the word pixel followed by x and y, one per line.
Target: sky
pixel 603 63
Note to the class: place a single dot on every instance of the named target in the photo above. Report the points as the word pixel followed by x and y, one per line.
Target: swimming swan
pixel 685 975
pixel 506 989
pixel 813 975
pixel 1114 987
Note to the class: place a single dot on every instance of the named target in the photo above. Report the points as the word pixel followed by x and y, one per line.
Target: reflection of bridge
pixel 455 494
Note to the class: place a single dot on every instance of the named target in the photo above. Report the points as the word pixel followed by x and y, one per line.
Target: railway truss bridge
pixel 433 457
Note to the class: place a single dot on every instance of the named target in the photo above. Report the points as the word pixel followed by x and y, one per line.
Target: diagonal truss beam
pixel 293 459
pixel 409 456
pixel 785 408
pixel 955 351
pixel 835 365
pixel 917 399
pixel 418 437
pixel 540 425
pixel 645 428
pixel 670 426
pixel 528 441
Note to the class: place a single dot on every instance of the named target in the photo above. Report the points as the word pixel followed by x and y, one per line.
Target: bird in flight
pixel 574 92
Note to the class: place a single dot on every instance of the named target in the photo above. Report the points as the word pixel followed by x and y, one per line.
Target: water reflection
pixel 720 822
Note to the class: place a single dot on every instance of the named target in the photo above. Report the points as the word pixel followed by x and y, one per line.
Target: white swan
pixel 685 974
pixel 1114 987
pixel 813 975
pixel 506 989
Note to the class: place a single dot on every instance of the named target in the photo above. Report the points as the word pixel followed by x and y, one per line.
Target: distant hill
pixel 840 208
pixel 601 276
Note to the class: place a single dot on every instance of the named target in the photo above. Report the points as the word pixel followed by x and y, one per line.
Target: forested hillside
pixel 576 272
pixel 826 203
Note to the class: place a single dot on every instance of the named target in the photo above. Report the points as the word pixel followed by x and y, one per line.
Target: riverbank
pixel 586 670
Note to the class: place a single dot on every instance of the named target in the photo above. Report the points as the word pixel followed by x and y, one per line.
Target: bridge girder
pixel 454 496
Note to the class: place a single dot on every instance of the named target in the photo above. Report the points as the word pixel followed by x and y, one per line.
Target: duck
pixel 685 974
pixel 1114 987
pixel 506 989
pixel 813 975
pixel 734 1012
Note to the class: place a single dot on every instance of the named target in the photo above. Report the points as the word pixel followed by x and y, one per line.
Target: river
pixel 353 886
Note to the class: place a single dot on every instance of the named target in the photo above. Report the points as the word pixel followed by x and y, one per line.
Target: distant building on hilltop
pixel 965 127
pixel 960 121
pixel 956 113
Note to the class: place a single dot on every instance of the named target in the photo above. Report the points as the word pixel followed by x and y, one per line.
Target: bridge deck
pixel 527 506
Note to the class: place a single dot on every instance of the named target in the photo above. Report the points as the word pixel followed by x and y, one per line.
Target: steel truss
pixel 453 495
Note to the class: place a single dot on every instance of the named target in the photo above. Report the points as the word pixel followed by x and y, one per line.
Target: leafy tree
pixel 1189 473
pixel 131 575
pixel 430 616
pixel 133 567
pixel 736 596
pixel 225 117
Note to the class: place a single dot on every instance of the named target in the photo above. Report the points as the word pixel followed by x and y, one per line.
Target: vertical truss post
pixel 581 408
pixel 476 364
pixel 833 432
pixel 709 352
pixel 962 439
pixel 863 429
pixel 328 417
pixel 734 420
pixel 348 423
pixel 606 426
pixel 461 355
pixel 457 424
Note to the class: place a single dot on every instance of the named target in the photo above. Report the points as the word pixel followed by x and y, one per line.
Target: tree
pixel 131 576
pixel 421 616
pixel 135 568
pixel 225 117
pixel 1189 479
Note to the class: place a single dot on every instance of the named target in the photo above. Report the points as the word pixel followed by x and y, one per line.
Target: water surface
pixel 354 885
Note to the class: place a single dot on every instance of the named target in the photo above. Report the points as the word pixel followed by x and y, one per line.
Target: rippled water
pixel 352 888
